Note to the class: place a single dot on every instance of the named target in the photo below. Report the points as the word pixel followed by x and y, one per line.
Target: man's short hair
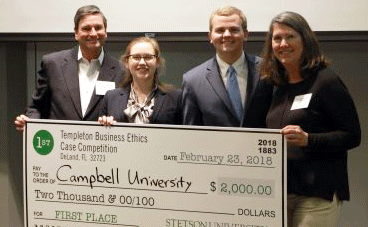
pixel 228 11
pixel 87 10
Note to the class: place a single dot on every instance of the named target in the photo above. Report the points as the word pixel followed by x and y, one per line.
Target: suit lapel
pixel 214 78
pixel 70 73
pixel 159 101
pixel 122 103
pixel 252 79
pixel 106 74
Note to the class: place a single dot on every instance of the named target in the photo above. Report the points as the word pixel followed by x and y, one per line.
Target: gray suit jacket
pixel 206 102
pixel 57 94
pixel 167 108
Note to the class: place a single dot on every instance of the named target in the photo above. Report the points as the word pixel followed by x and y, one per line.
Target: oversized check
pixel 85 174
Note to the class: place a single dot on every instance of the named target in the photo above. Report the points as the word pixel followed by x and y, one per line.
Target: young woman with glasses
pixel 142 98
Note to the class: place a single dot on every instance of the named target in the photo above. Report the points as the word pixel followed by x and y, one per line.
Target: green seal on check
pixel 43 142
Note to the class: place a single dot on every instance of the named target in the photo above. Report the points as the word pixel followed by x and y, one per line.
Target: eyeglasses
pixel 146 57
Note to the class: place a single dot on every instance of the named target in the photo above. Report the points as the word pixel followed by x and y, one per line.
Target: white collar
pixel 238 64
pixel 100 58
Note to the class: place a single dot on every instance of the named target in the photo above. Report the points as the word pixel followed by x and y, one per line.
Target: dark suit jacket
pixel 57 93
pixel 167 108
pixel 206 102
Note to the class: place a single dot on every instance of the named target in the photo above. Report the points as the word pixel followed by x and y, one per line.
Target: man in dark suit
pixel 207 90
pixel 72 83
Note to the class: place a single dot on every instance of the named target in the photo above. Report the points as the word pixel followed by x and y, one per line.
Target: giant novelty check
pixel 85 174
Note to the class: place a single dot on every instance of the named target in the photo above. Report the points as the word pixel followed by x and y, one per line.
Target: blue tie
pixel 233 91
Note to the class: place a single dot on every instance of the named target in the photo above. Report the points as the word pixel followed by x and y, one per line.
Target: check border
pixel 155 126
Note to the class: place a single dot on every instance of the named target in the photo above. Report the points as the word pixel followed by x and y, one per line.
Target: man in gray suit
pixel 209 88
pixel 72 83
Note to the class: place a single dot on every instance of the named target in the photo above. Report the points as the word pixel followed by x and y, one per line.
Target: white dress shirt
pixel 241 69
pixel 88 73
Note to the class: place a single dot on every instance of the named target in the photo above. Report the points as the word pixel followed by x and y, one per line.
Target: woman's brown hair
pixel 312 59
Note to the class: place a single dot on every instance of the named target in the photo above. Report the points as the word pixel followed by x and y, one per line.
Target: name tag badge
pixel 103 86
pixel 301 101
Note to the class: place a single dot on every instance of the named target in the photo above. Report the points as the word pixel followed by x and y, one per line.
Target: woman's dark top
pixel 166 110
pixel 331 120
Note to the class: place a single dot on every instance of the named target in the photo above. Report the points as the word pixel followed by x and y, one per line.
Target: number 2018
pixel 267 143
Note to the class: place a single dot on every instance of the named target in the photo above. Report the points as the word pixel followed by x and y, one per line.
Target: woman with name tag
pixel 317 115
pixel 142 98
